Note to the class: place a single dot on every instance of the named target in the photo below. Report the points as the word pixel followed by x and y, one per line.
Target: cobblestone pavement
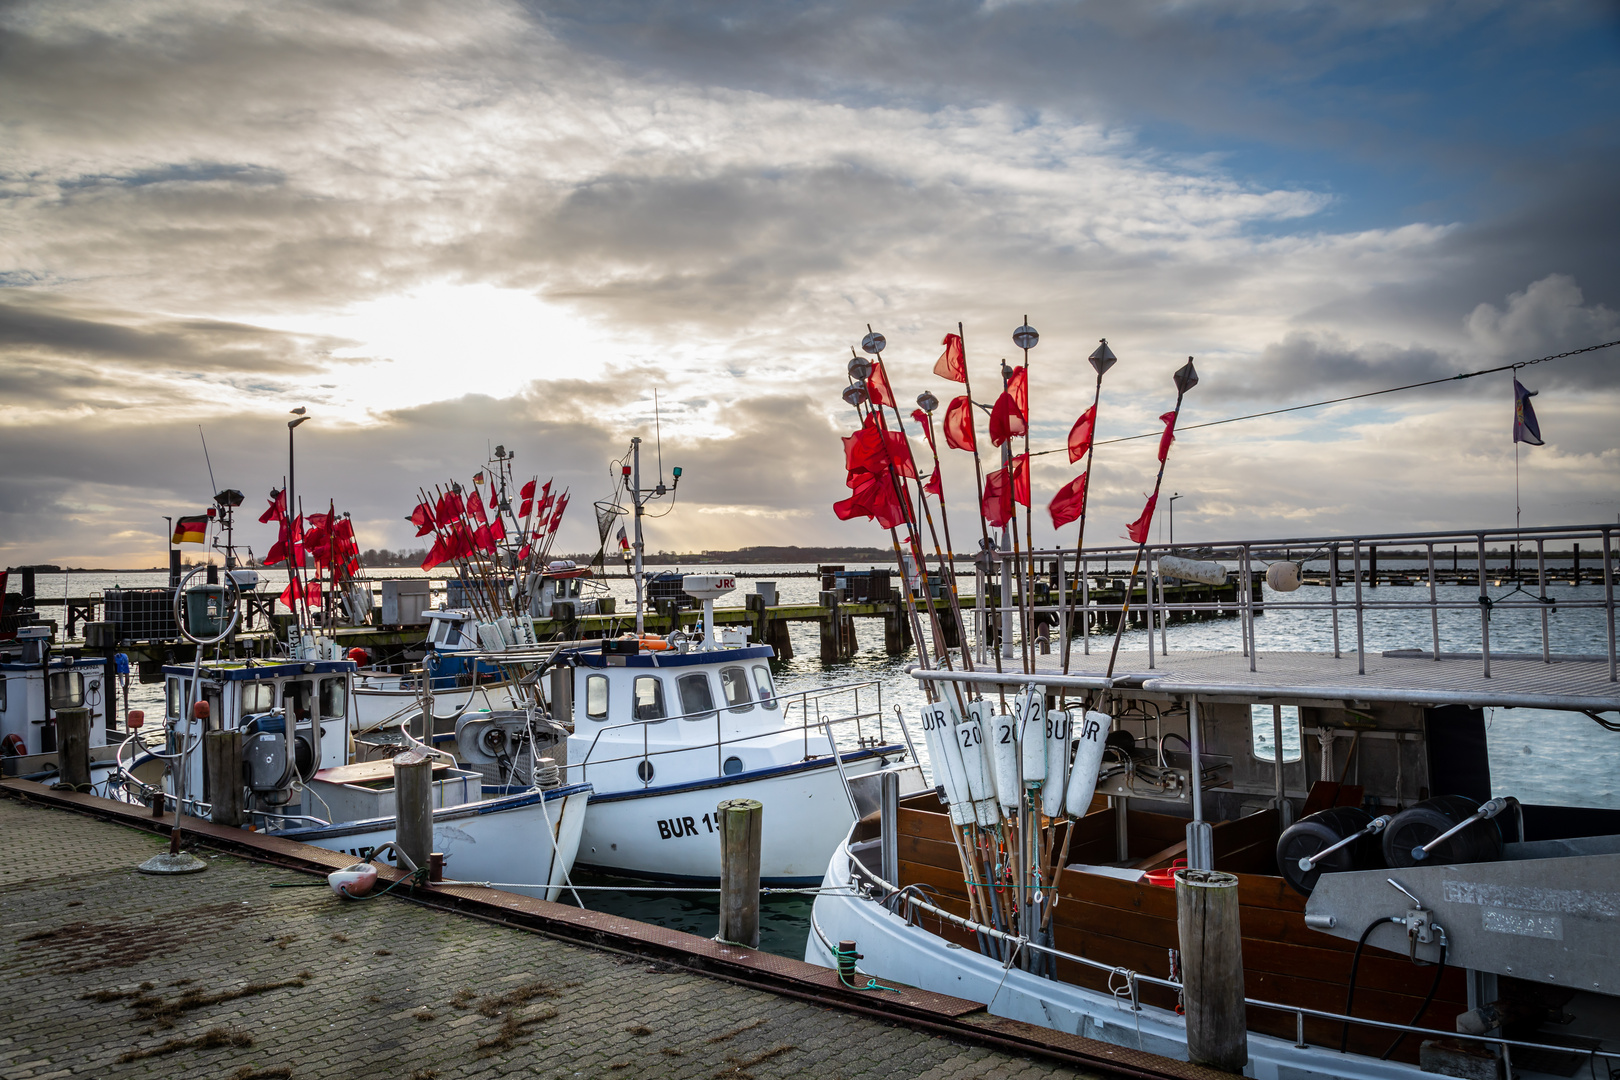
pixel 108 973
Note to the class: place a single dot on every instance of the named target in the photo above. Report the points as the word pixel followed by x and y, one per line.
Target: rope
pixel 1347 397
pixel 841 956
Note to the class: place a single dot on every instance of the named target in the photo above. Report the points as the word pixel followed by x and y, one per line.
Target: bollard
pixel 1212 968
pixel 222 754
pixel 413 806
pixel 741 829
pixel 73 748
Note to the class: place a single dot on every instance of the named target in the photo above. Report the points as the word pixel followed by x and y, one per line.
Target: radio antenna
pixel 658 430
pixel 212 487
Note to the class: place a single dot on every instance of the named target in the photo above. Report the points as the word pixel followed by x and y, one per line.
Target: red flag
pixel 996 506
pixel 438 555
pixel 497 528
pixel 556 516
pixel 1020 473
pixel 312 594
pixel 475 506
pixel 1169 436
pixel 959 424
pixel 952 364
pixel 287 595
pixel 877 385
pixel 1080 434
pixel 925 422
pixel 422 518
pixel 523 552
pixel 864 451
pixel 524 510
pixel 528 490
pixel 1138 529
pixel 277 509
pixel 872 497
pixel 449 509
pixel 1018 387
pixel 1005 420
pixel 1069 504
pixel 483 541
pixel 934 486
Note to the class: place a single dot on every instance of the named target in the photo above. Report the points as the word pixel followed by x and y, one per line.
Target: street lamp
pixel 1173 499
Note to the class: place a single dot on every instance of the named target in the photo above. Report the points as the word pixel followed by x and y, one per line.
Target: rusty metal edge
pixel 937 1013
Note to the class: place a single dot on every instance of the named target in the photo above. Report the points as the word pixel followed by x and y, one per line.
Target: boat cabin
pixel 35 681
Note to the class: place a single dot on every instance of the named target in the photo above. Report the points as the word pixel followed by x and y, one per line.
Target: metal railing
pixel 1133 978
pixel 813 719
pixel 1343 566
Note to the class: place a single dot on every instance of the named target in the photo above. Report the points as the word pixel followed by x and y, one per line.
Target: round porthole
pixel 645 771
pixel 733 766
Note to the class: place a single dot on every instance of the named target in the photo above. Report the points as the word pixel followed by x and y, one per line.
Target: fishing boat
pixel 36 680
pixel 1283 862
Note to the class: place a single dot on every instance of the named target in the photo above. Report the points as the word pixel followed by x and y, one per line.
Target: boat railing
pixel 1346 566
pixel 1131 981
pixel 814 719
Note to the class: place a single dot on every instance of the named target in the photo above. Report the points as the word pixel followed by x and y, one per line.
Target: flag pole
pixel 1026 338
pixel 927 403
pixel 1186 378
pixel 1101 359
pixel 985 544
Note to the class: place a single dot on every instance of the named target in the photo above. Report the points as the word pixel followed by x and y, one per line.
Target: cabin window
pixel 258 697
pixel 596 697
pixel 171 699
pixel 734 685
pixel 650 698
pixel 697 699
pixel 1260 719
pixel 296 698
pixel 65 689
pixel 762 683
pixel 212 695
pixel 334 698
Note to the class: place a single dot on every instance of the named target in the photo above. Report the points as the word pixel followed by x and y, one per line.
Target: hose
pixel 1427 1001
pixel 1355 963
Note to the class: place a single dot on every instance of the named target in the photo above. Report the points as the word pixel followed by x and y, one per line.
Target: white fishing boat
pixel 35 681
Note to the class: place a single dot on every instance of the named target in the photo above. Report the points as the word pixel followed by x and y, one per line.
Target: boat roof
pixel 243 672
pixel 644 659
pixel 1515 680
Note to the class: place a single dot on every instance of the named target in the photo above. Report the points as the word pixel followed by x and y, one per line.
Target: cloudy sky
pixel 440 227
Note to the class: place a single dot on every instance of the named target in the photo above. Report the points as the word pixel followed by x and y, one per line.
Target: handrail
pixel 1134 977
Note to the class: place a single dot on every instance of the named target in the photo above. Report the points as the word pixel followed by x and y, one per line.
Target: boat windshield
pixel 734 685
pixel 762 683
pixel 650 698
pixel 697 698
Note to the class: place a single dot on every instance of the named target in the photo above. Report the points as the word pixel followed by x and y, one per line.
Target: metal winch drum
pixel 1320 831
pixel 1480 841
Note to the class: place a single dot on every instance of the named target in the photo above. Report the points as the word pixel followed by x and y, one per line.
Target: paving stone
pixel 98 963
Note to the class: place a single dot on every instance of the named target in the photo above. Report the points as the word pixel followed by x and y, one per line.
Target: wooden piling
pixel 829 627
pixel 73 748
pixel 413 805
pixel 222 752
pixel 741 833
pixel 1212 968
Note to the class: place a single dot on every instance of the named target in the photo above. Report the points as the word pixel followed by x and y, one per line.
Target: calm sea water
pixel 1537 755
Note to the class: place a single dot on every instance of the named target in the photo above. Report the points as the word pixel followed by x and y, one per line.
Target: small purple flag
pixel 1525 428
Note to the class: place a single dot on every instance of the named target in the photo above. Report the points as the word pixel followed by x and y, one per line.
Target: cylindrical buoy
pixel 1210 573
pixel 1032 735
pixel 1090 734
pixel 948 771
pixel 970 741
pixel 1212 968
pixel 1057 762
pixel 1004 755
pixel 353 881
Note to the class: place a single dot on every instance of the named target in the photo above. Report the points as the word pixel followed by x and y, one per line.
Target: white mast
pixel 635 497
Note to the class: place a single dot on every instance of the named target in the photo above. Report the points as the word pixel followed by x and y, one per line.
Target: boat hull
pixel 526 839
pixel 671 833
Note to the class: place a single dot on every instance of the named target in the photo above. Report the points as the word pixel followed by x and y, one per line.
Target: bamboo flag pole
pixel 1026 338
pixel 985 544
pixel 1102 358
pixel 1186 378
pixel 927 403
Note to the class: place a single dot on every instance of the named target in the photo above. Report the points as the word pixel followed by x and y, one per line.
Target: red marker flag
pixel 1169 436
pixel 1020 474
pixel 877 386
pixel 449 509
pixel 996 506
pixel 528 490
pixel 934 486
pixel 422 518
pixel 925 422
pixel 873 497
pixel 1069 504
pixel 959 424
pixel 277 509
pixel 952 363
pixel 1138 529
pixel 1005 420
pixel 1080 434
pixel 1018 387
pixel 872 449
pixel 475 506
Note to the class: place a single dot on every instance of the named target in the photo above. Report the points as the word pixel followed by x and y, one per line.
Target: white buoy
pixel 1004 759
pixel 1090 736
pixel 981 786
pixel 948 765
pixel 1283 576
pixel 1032 735
pixel 1057 762
pixel 980 716
pixel 1210 573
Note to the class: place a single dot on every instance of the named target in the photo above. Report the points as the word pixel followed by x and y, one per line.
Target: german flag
pixel 190 530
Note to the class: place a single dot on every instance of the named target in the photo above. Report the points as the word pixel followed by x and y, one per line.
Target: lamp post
pixel 292 521
pixel 1172 502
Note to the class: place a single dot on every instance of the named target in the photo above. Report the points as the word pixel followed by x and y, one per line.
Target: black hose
pixel 1355 963
pixel 1433 988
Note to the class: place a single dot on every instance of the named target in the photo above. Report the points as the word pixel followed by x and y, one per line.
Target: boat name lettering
pixel 675 828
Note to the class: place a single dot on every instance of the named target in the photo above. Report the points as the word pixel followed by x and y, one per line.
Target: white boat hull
pixel 892 948
pixel 527 839
pixel 378 707
pixel 670 833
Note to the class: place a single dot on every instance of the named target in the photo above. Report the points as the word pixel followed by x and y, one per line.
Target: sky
pixel 444 227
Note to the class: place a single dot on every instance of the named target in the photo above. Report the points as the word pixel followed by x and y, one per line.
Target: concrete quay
pixel 105 972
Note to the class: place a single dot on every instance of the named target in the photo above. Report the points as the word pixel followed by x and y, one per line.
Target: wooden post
pixel 1212 968
pixel 755 604
pixel 829 627
pixel 894 630
pixel 778 637
pixel 741 829
pixel 1372 566
pixel 222 752
pixel 73 748
pixel 413 806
